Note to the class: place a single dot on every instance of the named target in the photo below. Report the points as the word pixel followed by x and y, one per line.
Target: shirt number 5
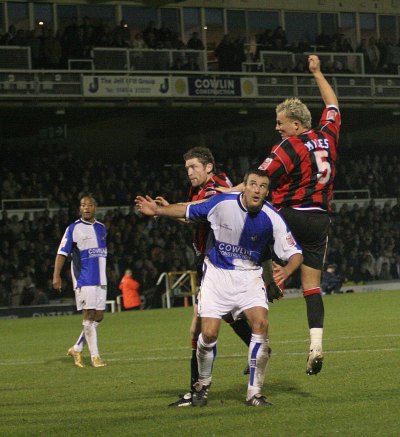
pixel 324 167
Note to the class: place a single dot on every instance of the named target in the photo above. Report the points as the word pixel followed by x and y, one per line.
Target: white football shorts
pixel 230 291
pixel 91 297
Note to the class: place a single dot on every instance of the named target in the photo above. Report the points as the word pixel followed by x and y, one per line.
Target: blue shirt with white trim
pixel 86 243
pixel 239 238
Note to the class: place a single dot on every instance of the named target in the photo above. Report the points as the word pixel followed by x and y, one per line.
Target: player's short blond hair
pixel 295 110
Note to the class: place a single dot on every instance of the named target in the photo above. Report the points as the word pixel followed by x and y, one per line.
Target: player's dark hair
pixel 257 172
pixel 203 154
pixel 89 195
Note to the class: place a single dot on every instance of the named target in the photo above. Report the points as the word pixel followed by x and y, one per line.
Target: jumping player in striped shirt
pixel 85 241
pixel 302 170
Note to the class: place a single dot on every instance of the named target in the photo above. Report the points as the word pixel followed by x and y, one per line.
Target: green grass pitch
pixel 356 394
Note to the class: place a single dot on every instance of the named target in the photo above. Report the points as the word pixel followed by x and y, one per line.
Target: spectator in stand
pixel 149 35
pixel 385 273
pixel 225 53
pixel 383 258
pixel 395 212
pixel 345 46
pixel 129 287
pixel 369 264
pixel 323 41
pixel 331 280
pixel 4 286
pixel 341 68
pixel 164 35
pixel 240 55
pixel 395 267
pixel 195 43
pixel 264 43
pixel 279 39
pixel 300 67
pixel 17 289
pixel 70 40
pixel 296 47
pixel 122 35
pixel 371 55
pixel 365 273
pixel 138 41
pixel 8 37
pixel 52 51
pixel 176 42
pixel 87 28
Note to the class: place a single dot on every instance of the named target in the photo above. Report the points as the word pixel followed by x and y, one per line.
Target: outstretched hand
pixel 146 205
pixel 161 201
pixel 280 274
pixel 314 64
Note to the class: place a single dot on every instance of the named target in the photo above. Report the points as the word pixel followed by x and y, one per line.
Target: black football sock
pixel 242 329
pixel 194 369
pixel 315 310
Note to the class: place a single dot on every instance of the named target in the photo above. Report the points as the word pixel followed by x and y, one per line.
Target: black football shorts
pixel 310 229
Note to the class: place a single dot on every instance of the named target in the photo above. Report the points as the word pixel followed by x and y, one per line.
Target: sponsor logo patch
pixel 290 240
pixel 265 164
pixel 331 115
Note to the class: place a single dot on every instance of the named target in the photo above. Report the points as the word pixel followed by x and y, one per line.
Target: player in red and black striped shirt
pixel 203 192
pixel 302 170
pixel 200 167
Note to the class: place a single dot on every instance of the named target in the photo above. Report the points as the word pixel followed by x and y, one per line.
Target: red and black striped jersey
pixel 302 168
pixel 199 193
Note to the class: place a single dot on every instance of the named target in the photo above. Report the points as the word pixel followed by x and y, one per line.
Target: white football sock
pixel 258 358
pixel 80 343
pixel 91 337
pixel 316 338
pixel 206 354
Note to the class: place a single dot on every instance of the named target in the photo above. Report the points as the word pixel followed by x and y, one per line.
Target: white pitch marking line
pixel 175 358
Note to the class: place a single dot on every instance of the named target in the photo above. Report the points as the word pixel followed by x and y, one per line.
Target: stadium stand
pixel 38 193
pixel 362 239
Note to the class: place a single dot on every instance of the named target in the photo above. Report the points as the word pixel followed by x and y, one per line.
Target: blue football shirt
pixel 240 238
pixel 86 243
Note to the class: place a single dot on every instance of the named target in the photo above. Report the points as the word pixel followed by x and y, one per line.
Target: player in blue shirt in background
pixel 243 225
pixel 85 241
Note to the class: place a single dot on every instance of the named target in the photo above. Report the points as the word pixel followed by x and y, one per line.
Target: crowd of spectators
pixel 75 41
pixel 52 50
pixel 380 56
pixel 364 240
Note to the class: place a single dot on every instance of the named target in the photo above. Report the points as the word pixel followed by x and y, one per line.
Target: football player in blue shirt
pixel 85 241
pixel 243 225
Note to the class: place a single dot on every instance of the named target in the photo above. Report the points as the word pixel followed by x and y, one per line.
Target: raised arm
pixel 149 207
pixel 163 202
pixel 327 93
pixel 239 187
